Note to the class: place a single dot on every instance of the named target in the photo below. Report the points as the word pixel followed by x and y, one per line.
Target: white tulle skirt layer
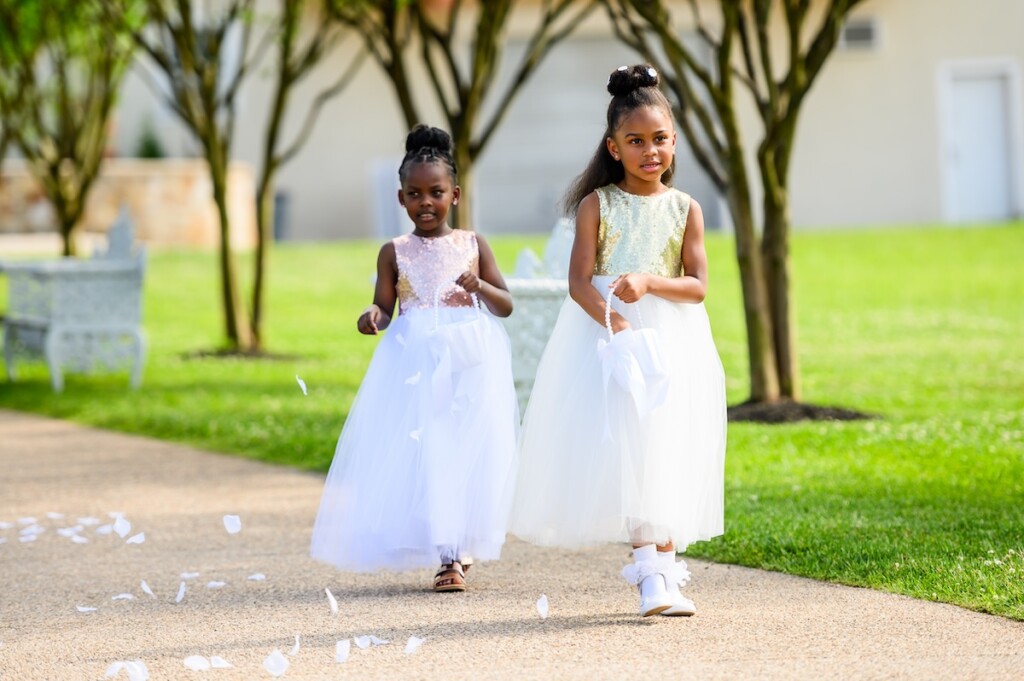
pixel 592 470
pixel 424 468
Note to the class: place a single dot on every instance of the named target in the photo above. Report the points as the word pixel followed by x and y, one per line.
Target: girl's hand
pixel 369 320
pixel 619 323
pixel 630 288
pixel 469 281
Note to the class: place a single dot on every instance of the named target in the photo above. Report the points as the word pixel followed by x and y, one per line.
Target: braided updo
pixel 425 144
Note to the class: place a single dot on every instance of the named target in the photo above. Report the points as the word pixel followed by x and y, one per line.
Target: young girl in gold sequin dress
pixel 424 466
pixel 594 469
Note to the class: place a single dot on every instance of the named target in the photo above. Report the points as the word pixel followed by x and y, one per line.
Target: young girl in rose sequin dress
pixel 647 469
pixel 424 467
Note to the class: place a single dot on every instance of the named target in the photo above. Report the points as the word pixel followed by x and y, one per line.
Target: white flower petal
pixel 53 515
pixel 4 525
pixel 542 606
pixel 332 601
pixel 104 529
pixel 123 597
pixel 69 531
pixel 302 384
pixel 233 524
pixel 79 539
pixel 3 540
pixel 413 644
pixel 276 664
pixel 341 650
pixel 122 526
pixel 181 593
pixel 257 577
pixel 197 663
pixel 27 520
pixel 27 538
pixel 137 670
pixel 113 669
pixel 295 648
pixel 378 641
pixel 362 642
pixel 88 521
pixel 86 608
pixel 218 662
pixel 215 585
pixel 189 575
pixel 146 590
pixel 136 538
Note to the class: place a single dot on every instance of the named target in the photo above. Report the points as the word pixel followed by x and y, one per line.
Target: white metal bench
pixel 79 315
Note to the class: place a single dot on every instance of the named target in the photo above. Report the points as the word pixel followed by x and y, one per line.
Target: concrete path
pixel 751 625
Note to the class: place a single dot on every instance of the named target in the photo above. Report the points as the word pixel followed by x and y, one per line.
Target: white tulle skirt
pixel 424 468
pixel 592 470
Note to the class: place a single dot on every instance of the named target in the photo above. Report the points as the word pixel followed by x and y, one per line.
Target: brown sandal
pixel 449 578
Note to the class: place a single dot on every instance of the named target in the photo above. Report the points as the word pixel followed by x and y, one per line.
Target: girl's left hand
pixel 469 281
pixel 630 288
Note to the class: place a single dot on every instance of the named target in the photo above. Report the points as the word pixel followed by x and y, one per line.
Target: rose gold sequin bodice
pixel 640 233
pixel 424 263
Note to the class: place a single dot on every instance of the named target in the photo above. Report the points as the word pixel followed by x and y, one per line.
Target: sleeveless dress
pixel 660 476
pixel 424 468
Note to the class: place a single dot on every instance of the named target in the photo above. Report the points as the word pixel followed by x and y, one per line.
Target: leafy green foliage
pixel 924 500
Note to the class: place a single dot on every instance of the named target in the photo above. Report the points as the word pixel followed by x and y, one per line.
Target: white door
pixel 980 151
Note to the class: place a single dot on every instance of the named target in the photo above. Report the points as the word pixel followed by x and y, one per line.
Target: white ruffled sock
pixel 646 574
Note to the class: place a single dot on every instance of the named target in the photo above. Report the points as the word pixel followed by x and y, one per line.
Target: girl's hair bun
pixel 426 137
pixel 625 79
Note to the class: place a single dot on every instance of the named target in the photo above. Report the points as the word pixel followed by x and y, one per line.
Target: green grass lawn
pixel 923 327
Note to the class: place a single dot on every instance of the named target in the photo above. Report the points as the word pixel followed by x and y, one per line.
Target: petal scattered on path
pixel 302 384
pixel 341 650
pixel 122 526
pixel 275 663
pixel 542 606
pixel 295 648
pixel 197 663
pixel 181 593
pixel 136 538
pixel 233 524
pixel 332 601
pixel 413 644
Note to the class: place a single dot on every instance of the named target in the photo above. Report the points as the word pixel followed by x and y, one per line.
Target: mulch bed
pixel 787 411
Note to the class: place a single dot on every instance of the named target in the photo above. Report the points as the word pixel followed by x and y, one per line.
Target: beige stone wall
pixel 170 202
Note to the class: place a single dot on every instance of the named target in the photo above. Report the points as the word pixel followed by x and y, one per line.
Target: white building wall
pixel 868 145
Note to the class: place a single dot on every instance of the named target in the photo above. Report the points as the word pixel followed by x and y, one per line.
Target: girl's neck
pixel 632 185
pixel 444 230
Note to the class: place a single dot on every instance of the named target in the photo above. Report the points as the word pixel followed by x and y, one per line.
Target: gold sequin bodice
pixel 425 263
pixel 641 233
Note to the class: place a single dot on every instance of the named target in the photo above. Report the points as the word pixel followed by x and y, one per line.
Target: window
pixel 859 34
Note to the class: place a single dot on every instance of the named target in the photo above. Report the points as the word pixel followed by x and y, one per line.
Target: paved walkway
pixel 752 624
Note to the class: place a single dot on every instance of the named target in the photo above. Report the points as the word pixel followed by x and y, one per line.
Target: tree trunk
pixel 236 331
pixel 264 234
pixel 462 214
pixel 67 228
pixel 764 377
pixel 775 253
